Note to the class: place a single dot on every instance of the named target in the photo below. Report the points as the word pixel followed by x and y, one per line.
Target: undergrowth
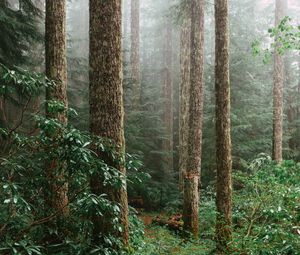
pixel 266 215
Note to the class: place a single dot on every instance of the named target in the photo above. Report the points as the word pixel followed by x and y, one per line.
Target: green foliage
pixel 266 213
pixel 20 81
pixel 19 30
pixel 286 37
pixel 160 241
pixel 27 221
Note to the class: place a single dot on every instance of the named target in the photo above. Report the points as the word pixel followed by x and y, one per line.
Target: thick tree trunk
pixel 278 90
pixel 106 101
pixel 185 38
pixel 167 144
pixel 193 172
pixel 135 52
pixel 223 137
pixel 56 70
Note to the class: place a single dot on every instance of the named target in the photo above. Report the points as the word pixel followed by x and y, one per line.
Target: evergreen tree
pixel 223 135
pixel 184 97
pixel 135 53
pixel 278 89
pixel 19 30
pixel 56 96
pixel 168 114
pixel 196 96
pixel 106 106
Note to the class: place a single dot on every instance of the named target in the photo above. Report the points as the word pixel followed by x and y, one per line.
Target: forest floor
pixel 160 240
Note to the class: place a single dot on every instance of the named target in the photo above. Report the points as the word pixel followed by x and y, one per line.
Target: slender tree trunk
pixel 193 172
pixel 298 111
pixel 126 32
pixel 168 97
pixel 278 90
pixel 290 99
pixel 185 38
pixel 56 70
pixel 125 18
pixel 106 102
pixel 223 137
pixel 135 52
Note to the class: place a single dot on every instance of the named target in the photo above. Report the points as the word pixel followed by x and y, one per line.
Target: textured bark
pixel 192 175
pixel 278 90
pixel 106 100
pixel 223 137
pixel 135 52
pixel 184 98
pixel 167 145
pixel 56 70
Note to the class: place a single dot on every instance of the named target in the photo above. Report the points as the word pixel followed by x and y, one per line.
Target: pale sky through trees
pixel 293 4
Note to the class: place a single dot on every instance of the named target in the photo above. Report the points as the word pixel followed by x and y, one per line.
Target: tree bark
pixel 278 90
pixel 223 137
pixel 106 102
pixel 185 38
pixel 135 52
pixel 56 70
pixel 193 172
pixel 167 145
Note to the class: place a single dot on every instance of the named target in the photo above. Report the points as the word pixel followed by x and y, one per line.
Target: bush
pixel 27 221
pixel 266 211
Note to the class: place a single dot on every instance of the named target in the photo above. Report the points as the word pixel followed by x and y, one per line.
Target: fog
pixel 145 109
pixel 251 79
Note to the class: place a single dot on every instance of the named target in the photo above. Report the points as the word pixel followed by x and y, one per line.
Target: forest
pixel 150 127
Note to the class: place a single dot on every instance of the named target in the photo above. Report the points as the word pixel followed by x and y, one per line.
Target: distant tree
pixel 135 52
pixel 223 129
pixel 56 96
pixel 167 143
pixel 184 97
pixel 291 110
pixel 298 110
pixel 278 89
pixel 192 175
pixel 106 105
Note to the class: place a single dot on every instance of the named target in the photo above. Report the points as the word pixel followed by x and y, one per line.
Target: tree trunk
pixel 290 99
pixel 278 90
pixel 185 38
pixel 193 172
pixel 106 102
pixel 298 111
pixel 135 52
pixel 168 97
pixel 223 137
pixel 56 70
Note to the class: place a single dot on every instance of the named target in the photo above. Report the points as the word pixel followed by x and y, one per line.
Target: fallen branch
pixel 173 223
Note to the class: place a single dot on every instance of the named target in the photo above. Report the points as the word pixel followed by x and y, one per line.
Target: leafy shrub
pixel 27 221
pixel 266 210
pixel 266 215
